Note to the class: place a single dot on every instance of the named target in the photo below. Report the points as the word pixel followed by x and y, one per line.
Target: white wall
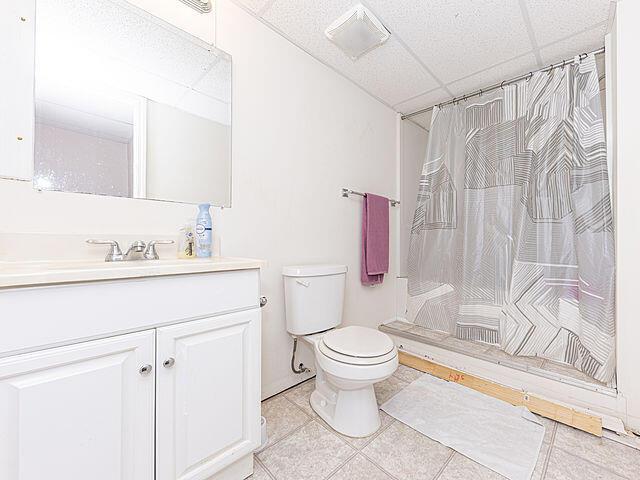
pixel 413 150
pixel 300 133
pixel 626 71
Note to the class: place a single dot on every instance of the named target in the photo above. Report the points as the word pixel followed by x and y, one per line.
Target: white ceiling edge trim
pixel 288 39
pixel 585 30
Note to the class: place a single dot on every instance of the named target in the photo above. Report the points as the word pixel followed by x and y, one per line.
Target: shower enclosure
pixel 511 245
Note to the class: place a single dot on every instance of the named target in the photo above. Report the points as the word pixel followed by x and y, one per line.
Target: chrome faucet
pixel 135 251
pixel 138 250
pixel 114 254
pixel 151 253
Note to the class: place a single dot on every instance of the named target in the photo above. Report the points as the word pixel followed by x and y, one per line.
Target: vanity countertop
pixel 23 274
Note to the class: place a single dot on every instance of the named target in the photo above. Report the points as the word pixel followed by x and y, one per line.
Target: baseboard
pixel 283 384
pixel 240 469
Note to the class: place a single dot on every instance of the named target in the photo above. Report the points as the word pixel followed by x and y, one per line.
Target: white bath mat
pixel 494 433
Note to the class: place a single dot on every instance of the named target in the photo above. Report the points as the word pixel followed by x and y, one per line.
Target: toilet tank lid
pixel 313 270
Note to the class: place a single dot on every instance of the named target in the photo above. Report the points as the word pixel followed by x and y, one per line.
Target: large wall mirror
pixel 128 106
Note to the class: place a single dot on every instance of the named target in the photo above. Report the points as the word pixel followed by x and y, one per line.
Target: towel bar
pixel 346 192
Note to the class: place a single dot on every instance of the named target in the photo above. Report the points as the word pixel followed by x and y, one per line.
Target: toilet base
pixel 353 412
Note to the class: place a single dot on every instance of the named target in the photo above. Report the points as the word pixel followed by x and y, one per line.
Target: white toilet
pixel 348 360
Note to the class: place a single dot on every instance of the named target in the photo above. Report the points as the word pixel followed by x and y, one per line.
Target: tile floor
pixel 484 351
pixel 302 447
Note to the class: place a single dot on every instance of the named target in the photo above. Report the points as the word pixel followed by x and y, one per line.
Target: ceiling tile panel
pixel 456 37
pixel 389 72
pixel 493 75
pixel 582 43
pixel 422 101
pixel 554 20
pixel 467 44
pixel 254 5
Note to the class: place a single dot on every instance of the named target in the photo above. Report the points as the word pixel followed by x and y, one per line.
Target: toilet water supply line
pixel 301 368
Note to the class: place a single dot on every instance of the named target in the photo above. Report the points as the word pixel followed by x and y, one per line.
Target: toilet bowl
pixel 344 396
pixel 349 360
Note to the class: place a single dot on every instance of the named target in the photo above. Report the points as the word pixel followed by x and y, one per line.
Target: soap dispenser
pixel 203 231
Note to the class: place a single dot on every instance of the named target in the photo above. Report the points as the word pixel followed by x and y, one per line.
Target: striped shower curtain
pixel 512 239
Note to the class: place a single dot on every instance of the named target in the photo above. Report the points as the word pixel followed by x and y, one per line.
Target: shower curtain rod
pixel 495 86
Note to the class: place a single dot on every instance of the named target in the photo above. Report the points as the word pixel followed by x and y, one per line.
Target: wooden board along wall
pixel 540 406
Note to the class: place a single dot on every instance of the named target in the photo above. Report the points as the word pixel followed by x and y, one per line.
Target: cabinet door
pixel 208 395
pixel 79 412
pixel 17 43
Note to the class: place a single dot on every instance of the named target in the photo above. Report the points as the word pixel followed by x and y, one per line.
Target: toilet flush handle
pixel 303 283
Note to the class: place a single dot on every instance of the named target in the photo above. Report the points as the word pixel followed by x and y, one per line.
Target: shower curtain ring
pixel 563 64
pixel 502 84
pixel 530 76
pixel 480 94
pixel 581 56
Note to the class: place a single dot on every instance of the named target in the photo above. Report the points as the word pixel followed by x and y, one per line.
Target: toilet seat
pixel 357 346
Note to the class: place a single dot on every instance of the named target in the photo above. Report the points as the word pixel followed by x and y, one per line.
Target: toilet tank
pixel 314 297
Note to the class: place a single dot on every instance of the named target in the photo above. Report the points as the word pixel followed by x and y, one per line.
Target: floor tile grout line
pixel 375 435
pixel 293 388
pixel 337 469
pixel 598 465
pixel 445 465
pixel 381 469
pixel 264 467
pixel 378 465
pixel 356 450
pixel 287 435
pixel 552 440
pixel 299 407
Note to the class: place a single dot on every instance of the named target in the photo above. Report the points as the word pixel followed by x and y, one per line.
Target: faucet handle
pixel 151 253
pixel 114 254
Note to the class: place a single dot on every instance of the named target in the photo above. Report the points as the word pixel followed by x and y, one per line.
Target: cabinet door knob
pixel 169 362
pixel 145 369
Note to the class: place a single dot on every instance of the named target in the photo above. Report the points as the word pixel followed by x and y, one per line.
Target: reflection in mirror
pixel 129 106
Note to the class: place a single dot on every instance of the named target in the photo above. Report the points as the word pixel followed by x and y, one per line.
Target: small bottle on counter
pixel 204 227
pixel 187 241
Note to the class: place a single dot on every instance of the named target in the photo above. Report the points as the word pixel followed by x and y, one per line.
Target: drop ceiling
pixel 443 48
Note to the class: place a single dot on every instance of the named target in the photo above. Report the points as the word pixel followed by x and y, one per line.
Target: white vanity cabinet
pixel 84 408
pixel 206 417
pixel 131 379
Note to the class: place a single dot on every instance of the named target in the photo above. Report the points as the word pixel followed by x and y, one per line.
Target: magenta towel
pixel 375 239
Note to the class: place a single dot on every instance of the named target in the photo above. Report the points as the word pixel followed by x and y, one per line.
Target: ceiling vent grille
pixel 202 6
pixel 357 32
